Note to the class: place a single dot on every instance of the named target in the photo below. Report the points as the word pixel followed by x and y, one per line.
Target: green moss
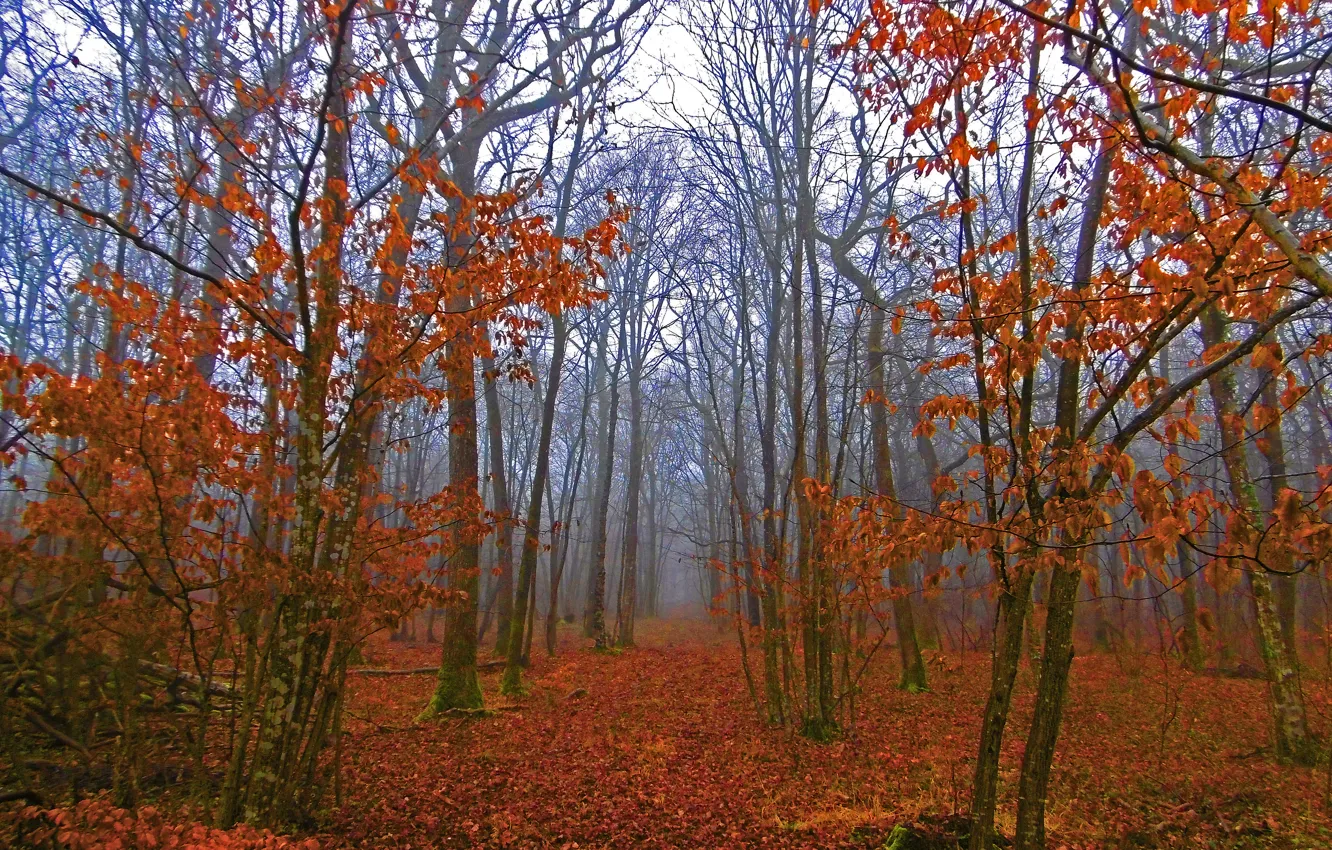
pixel 914 681
pixel 455 688
pixel 511 681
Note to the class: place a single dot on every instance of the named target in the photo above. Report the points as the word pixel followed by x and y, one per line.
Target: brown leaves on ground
pixel 665 749
pixel 660 746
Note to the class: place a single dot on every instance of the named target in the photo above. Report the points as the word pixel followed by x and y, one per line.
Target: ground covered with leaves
pixel 661 746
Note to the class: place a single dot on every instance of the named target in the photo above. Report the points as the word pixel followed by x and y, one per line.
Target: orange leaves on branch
pixel 960 149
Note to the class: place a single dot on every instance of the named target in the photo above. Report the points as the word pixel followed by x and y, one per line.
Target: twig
pixel 40 722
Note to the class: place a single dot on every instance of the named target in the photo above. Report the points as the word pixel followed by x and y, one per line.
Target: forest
pixel 905 422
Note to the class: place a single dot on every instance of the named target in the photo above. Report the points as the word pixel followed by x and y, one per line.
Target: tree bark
pixel 1293 741
pixel 628 600
pixel 512 682
pixel 904 617
pixel 1005 659
pixel 499 484
pixel 597 600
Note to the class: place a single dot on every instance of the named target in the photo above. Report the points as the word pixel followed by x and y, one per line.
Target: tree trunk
pixel 1062 590
pixel 1007 655
pixel 904 617
pixel 504 523
pixel 1293 741
pixel 570 490
pixel 457 685
pixel 1272 444
pixel 512 681
pixel 597 600
pixel 1056 658
pixel 628 601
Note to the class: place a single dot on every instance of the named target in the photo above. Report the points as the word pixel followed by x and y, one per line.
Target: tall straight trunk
pixel 648 599
pixel 1293 741
pixel 712 500
pixel 711 510
pixel 1194 657
pixel 818 723
pixel 932 559
pixel 512 682
pixel 504 522
pixel 823 579
pixel 570 491
pixel 599 373
pixel 628 597
pixel 1272 444
pixel 753 606
pixel 773 572
pixel 457 686
pixel 597 601
pixel 904 618
pixel 1192 648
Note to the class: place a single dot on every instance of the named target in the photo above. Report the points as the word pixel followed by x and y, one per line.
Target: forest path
pixel 665 750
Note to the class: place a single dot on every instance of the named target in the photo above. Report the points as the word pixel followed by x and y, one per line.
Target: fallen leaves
pixel 660 747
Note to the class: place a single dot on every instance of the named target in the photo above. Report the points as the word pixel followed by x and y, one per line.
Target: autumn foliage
pixel 1016 312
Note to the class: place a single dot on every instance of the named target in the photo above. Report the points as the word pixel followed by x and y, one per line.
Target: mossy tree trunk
pixel 1293 741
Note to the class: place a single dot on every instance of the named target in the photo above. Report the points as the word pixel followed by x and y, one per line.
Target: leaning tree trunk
pixel 512 683
pixel 1010 611
pixel 1056 659
pixel 1293 741
pixel 1062 591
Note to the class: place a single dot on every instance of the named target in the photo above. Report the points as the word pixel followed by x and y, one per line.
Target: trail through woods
pixel 664 749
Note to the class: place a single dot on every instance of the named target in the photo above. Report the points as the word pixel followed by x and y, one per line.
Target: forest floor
pixel 661 746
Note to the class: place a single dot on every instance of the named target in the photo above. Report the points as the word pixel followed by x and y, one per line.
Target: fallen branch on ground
pixel 174 678
pixel 416 671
